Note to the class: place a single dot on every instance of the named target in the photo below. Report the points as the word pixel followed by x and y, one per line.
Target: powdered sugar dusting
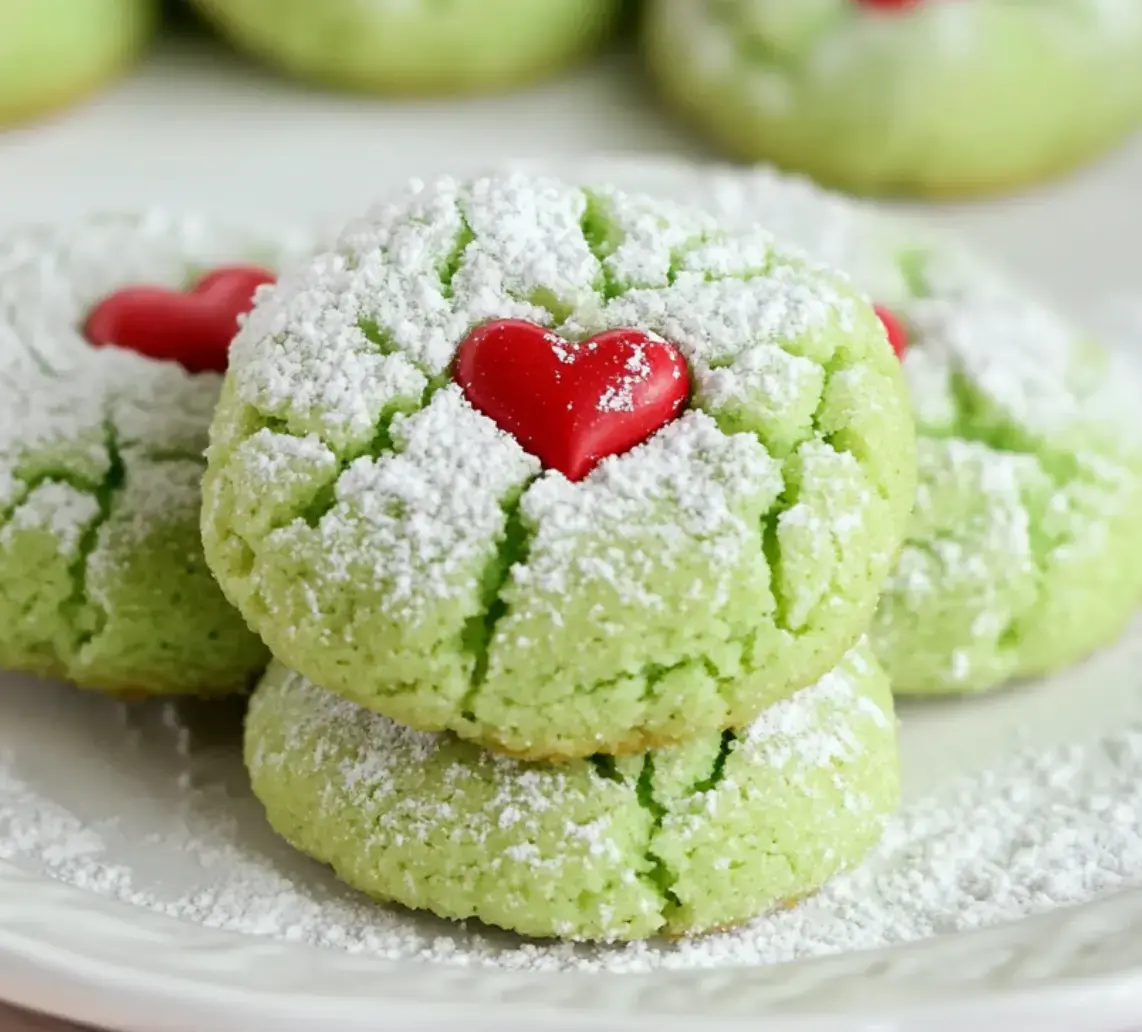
pixel 644 237
pixel 419 524
pixel 787 387
pixel 281 472
pixel 62 398
pixel 528 243
pixel 52 424
pixel 326 377
pixel 619 397
pixel 689 489
pixel 1017 353
pixel 56 509
pixel 842 232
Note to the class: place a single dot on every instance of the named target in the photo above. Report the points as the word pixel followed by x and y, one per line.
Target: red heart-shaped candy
pixel 572 404
pixel 193 328
pixel 897 334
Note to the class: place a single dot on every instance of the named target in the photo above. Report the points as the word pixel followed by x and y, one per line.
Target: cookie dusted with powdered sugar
pixel 675 842
pixel 560 471
pixel 1022 554
pixel 924 97
pixel 417 46
pixel 102 577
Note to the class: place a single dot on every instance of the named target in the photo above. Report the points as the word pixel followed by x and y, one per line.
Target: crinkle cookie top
pixel 100 450
pixel 394 544
pixel 1030 451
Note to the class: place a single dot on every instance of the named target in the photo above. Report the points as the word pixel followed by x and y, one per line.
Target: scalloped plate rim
pixel 62 969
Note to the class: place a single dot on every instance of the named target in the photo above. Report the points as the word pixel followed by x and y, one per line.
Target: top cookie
pixel 102 578
pixel 922 97
pixel 393 543
pixel 1021 556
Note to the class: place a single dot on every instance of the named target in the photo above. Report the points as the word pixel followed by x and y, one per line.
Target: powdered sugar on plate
pixel 156 813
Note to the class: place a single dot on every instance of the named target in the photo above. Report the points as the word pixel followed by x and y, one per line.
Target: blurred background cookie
pixel 416 46
pixel 54 51
pixel 904 96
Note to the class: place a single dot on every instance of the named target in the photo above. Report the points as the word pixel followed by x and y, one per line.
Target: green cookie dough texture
pixel 939 98
pixel 417 46
pixel 1022 556
pixel 674 842
pixel 391 543
pixel 102 577
pixel 53 51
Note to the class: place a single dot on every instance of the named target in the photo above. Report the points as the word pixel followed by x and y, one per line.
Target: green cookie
pixel 102 577
pixel 929 98
pixel 1023 554
pixel 53 51
pixel 393 544
pixel 675 842
pixel 417 46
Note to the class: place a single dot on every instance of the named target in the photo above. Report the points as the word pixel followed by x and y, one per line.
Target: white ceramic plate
pixel 153 781
pixel 81 955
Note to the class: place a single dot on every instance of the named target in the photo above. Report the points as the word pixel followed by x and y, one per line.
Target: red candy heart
pixel 572 404
pixel 193 328
pixel 897 334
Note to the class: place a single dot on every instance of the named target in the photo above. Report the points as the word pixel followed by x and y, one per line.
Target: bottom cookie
pixel 675 842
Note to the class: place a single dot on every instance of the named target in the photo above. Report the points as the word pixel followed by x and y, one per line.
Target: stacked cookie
pixel 570 509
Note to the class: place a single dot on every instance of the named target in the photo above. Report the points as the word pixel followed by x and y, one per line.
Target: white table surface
pixel 199 129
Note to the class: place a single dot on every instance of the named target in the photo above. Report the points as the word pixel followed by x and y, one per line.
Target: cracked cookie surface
pixel 675 842
pixel 1022 553
pixel 393 544
pixel 417 46
pixel 928 97
pixel 102 577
